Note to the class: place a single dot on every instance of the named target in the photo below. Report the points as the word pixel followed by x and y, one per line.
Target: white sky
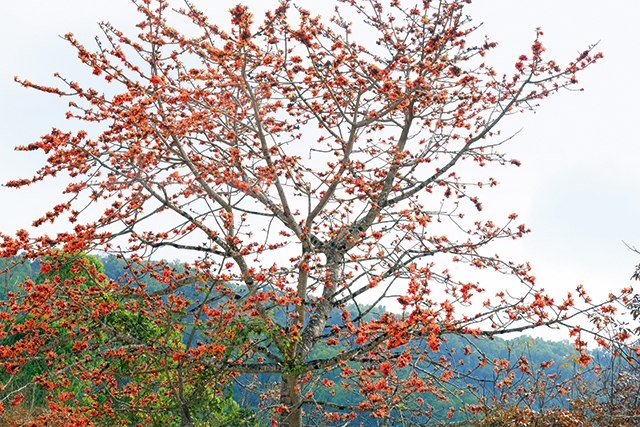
pixel 578 188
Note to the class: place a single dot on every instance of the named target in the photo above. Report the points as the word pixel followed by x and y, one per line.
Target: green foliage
pixel 70 267
pixel 80 270
pixel 209 395
pixel 14 271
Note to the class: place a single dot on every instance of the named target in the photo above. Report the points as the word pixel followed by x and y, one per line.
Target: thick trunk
pixel 318 321
pixel 291 398
pixel 289 394
pixel 185 416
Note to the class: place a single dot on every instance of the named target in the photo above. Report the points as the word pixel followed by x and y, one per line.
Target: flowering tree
pixel 301 170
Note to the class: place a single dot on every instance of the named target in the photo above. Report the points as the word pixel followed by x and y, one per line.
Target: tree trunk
pixel 291 398
pixel 185 416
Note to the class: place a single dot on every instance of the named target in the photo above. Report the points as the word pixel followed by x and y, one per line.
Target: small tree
pixel 300 169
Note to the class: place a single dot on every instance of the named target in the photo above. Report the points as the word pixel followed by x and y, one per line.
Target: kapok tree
pixel 303 167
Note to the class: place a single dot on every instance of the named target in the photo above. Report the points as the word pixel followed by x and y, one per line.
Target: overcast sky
pixel 578 188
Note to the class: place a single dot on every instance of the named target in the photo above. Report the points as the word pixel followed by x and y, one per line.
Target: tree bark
pixel 290 397
pixel 185 416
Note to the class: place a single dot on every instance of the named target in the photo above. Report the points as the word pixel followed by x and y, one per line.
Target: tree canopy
pixel 303 166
